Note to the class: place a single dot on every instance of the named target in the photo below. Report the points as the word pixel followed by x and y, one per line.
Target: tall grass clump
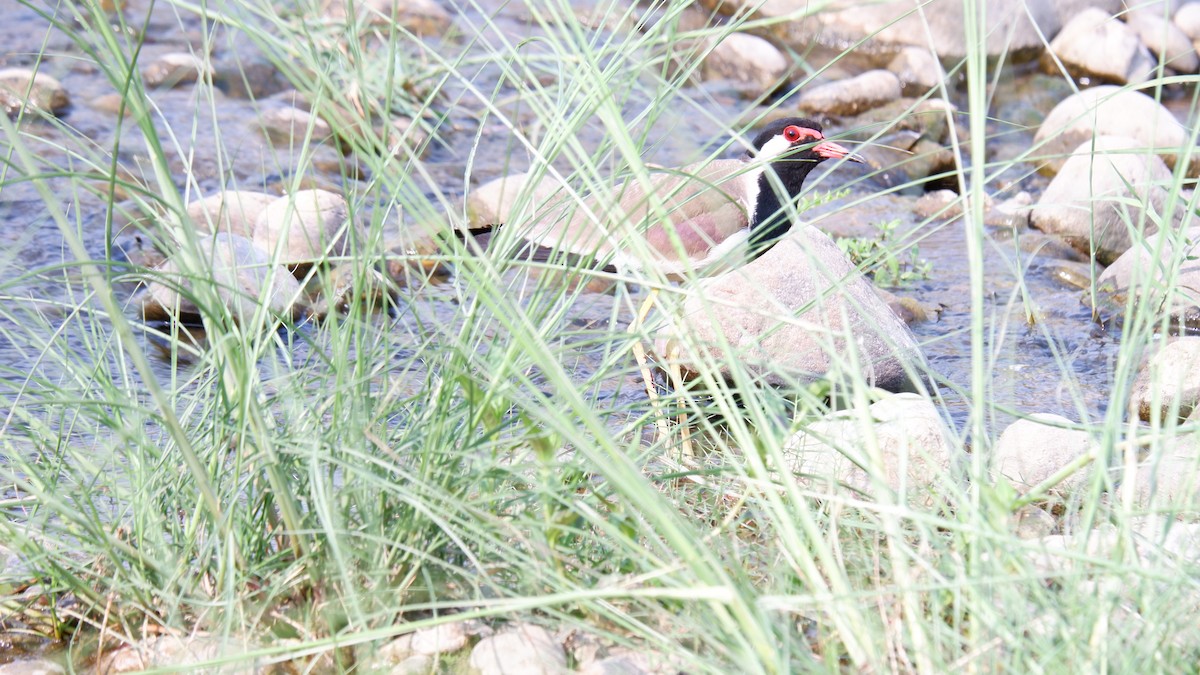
pixel 480 447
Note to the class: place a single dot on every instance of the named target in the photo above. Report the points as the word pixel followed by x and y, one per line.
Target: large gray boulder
pixel 1159 275
pixel 1096 44
pixel 793 315
pixel 1107 192
pixel 901 443
pixel 1110 111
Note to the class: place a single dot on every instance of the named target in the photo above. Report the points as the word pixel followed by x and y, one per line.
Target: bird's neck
pixel 771 221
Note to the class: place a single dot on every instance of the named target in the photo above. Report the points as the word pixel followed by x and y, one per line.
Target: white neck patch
pixel 769 151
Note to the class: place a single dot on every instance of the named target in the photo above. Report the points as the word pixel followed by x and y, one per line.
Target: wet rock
pixel 945 204
pixel 1042 245
pixel 174 69
pixel 1168 386
pixel 304 227
pixel 290 126
pixel 1032 450
pixel 890 26
pixel 919 70
pixel 19 86
pixel 1110 110
pixel 1032 522
pixel 906 448
pixel 1141 275
pixel 523 650
pixel 749 62
pixel 807 279
pixel 1163 38
pixel 909 310
pixel 1090 203
pixel 851 96
pixel 1187 19
pixel 424 18
pixel 232 211
pixel 498 201
pixel 169 651
pixel 447 637
pixel 1096 44
pixel 32 667
pixel 241 274
pixel 1070 273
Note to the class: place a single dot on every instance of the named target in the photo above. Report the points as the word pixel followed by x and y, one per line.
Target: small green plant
pixel 887 260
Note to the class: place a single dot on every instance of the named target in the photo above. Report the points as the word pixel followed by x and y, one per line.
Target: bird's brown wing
pixel 687 212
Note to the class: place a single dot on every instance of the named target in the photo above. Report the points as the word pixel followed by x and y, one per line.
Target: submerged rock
pixel 851 96
pixel 304 227
pixel 526 649
pixel 1097 44
pixel 22 86
pixel 1168 385
pixel 1107 192
pixel 1110 111
pixel 1160 276
pixel 232 211
pixel 1032 450
pixel 242 277
pixel 792 316
pixel 900 443
pixel 174 69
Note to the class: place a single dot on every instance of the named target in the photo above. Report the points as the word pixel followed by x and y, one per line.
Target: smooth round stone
pixel 1071 274
pixel 1164 39
pixel 304 227
pixel 22 85
pixel 1138 276
pixel 853 95
pixel 232 211
pixel 1170 481
pixel 919 70
pixel 242 276
pixel 1097 44
pixel 425 18
pixel 175 69
pixel 526 649
pixel 749 62
pixel 291 126
pixel 1032 450
pixel 32 667
pixel 1172 378
pixel 1187 18
pixel 500 200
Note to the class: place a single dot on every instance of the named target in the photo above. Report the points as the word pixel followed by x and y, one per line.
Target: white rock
pixel 232 211
pixel 290 125
pixel 853 95
pixel 508 198
pixel 907 448
pixel 21 85
pixel 1112 111
pixel 169 651
pixel 32 667
pixel 1187 18
pixel 175 68
pixel 304 227
pixel 1096 44
pixel 1032 450
pixel 790 316
pixel 523 650
pixel 1172 376
pixel 748 61
pixel 446 637
pixel 919 70
pixel 1169 481
pixel 1090 203
pixel 1164 39
pixel 613 665
pixel 242 276
pixel 417 664
pixel 1141 275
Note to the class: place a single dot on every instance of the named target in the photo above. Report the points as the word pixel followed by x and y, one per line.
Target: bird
pixel 698 219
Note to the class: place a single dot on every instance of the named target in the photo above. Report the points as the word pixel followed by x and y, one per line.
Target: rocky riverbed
pixel 1089 152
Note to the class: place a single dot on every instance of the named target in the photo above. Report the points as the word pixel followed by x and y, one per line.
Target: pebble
pixel 288 125
pixel 1032 450
pixel 1071 274
pixel 1172 376
pixel 424 18
pixel 32 667
pixel 1096 44
pixel 498 201
pixel 45 93
pixel 525 649
pixel 175 69
pixel 1187 18
pixel 919 70
pixel 304 227
pixel 1089 202
pixel 914 449
pixel 851 96
pixel 1137 276
pixel 750 62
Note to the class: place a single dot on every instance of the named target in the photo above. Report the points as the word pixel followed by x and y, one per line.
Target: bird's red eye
pixel 792 134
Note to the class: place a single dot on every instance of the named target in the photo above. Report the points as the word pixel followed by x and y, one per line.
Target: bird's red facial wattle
pixel 797 134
